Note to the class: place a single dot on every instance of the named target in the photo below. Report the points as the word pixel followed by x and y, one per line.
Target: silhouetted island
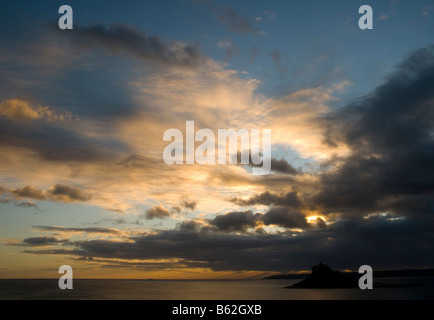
pixel 323 277
pixel 377 274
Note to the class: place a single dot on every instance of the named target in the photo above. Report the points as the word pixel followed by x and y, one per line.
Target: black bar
pixel 235 309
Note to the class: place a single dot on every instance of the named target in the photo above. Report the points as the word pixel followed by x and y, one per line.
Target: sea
pixel 86 289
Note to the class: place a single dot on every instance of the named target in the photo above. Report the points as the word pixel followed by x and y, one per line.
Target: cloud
pixel 297 121
pixel 242 221
pixel 52 141
pixel 29 192
pixel 57 192
pixel 390 136
pixel 26 192
pixel 237 221
pixel 54 251
pixel 78 230
pixel 283 166
pixel 117 38
pixel 279 166
pixel 66 193
pixel 189 204
pixel 232 21
pixel 158 212
pixel 289 199
pixel 196 225
pixel 20 110
pixel 379 151
pixel 42 241
pixel 378 241
pixel 284 217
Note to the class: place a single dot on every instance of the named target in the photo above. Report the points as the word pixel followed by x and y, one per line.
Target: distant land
pixel 324 277
pixel 376 274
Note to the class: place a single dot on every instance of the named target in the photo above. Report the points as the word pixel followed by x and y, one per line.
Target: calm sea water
pixel 205 290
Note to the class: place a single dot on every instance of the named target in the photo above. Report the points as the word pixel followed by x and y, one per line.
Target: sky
pixel 83 112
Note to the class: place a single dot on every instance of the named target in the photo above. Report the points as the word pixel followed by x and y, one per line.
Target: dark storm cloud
pixel 232 21
pixel 379 241
pixel 237 221
pixel 241 221
pixel 390 132
pixel 284 217
pixel 191 226
pixel 280 166
pixel 289 199
pixel 283 166
pixel 117 38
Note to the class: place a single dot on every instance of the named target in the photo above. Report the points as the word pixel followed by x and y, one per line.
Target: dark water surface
pixel 206 290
